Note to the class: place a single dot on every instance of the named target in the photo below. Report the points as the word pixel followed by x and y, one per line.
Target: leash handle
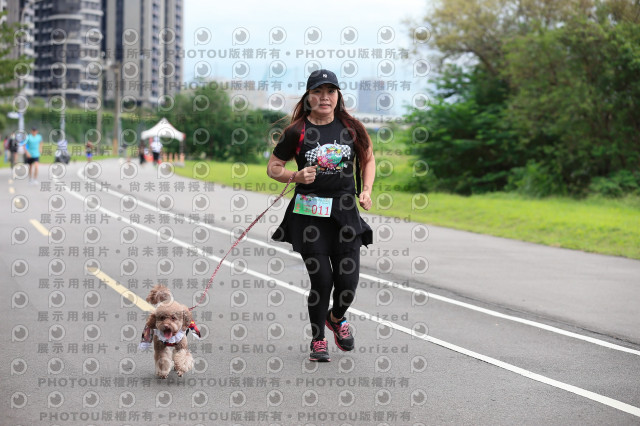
pixel 246 231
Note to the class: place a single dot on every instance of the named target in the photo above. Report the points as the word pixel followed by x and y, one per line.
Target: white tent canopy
pixel 163 129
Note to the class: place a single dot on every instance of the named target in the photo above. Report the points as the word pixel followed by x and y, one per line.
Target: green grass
pixel 596 224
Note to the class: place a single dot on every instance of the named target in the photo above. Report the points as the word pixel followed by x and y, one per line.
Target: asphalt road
pixel 450 326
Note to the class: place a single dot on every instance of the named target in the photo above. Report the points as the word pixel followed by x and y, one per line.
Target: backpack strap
pixel 353 134
pixel 301 139
pixel 358 177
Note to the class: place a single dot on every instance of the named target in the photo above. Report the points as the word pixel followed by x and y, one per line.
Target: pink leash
pixel 246 231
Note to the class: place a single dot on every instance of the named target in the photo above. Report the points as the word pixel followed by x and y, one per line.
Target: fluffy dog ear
pixel 151 321
pixel 187 318
pixel 152 297
pixel 158 294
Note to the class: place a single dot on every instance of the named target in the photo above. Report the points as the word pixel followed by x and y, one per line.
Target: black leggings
pixel 340 272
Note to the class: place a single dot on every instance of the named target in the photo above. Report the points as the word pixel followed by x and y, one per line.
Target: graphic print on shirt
pixel 330 158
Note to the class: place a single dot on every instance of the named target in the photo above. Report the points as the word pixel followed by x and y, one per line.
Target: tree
pixel 481 27
pixel 9 34
pixel 566 76
pixel 575 108
pixel 205 116
pixel 219 131
pixel 470 148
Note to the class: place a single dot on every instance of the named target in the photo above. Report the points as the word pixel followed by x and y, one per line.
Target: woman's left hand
pixel 365 200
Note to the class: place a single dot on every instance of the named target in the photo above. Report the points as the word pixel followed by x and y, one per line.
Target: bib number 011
pixel 312 206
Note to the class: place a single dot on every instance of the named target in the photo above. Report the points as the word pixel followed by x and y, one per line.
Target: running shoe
pixel 341 332
pixel 319 351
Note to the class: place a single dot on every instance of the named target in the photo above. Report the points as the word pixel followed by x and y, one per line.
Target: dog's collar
pixel 174 340
pixel 179 335
pixel 145 342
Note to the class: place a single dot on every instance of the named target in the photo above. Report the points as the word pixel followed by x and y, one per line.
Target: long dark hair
pixel 359 135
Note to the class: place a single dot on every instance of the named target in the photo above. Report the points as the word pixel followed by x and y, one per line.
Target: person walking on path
pixel 6 148
pixel 142 151
pixel 32 152
pixel 156 149
pixel 322 221
pixel 12 146
pixel 62 153
pixel 89 151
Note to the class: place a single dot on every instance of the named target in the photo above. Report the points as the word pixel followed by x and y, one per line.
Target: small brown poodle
pixel 169 323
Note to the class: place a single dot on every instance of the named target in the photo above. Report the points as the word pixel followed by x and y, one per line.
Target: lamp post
pixel 21 52
pixel 20 116
pixel 63 89
pixel 108 64
pixel 101 97
pixel 116 124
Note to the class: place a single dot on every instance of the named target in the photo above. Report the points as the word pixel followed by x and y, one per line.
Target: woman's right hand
pixel 306 175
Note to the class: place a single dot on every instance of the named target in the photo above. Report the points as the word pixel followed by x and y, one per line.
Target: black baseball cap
pixel 320 77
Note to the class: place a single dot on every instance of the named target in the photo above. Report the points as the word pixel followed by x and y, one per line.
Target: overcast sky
pixel 281 40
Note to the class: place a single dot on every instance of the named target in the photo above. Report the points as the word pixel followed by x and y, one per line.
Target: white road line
pixel 123 291
pixel 509 317
pixel 444 299
pixel 613 403
pixel 40 227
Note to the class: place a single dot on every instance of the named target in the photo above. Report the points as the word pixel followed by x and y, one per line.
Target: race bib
pixel 312 206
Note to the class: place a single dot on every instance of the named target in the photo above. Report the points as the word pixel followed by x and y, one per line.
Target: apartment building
pixel 81 47
pixel 67 41
pixel 143 43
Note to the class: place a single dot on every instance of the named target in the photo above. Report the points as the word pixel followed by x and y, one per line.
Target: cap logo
pixel 324 75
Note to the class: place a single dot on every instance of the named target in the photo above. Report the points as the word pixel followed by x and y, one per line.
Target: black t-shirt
pixel 330 147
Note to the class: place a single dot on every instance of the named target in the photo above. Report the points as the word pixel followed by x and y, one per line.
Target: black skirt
pixel 344 231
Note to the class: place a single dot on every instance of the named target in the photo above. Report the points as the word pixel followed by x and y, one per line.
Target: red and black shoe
pixel 319 351
pixel 341 332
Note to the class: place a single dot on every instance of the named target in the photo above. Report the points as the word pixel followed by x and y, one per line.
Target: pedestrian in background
pixel 32 153
pixel 89 150
pixel 12 145
pixel 62 153
pixel 156 149
pixel 5 141
pixel 142 151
